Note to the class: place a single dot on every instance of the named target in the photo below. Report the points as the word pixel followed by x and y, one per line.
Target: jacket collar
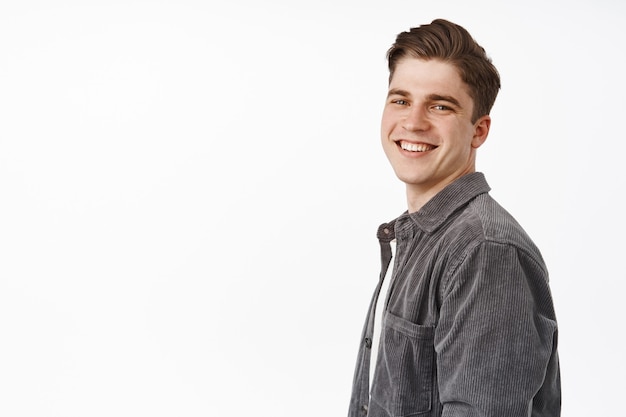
pixel 439 208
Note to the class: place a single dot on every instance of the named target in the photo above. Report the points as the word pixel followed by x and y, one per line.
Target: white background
pixel 189 194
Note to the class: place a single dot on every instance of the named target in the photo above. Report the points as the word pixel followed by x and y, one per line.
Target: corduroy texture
pixel 469 327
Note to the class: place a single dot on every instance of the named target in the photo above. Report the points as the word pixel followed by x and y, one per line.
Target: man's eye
pixel 441 107
pixel 400 102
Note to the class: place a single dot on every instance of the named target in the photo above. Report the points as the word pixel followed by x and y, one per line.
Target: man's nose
pixel 416 119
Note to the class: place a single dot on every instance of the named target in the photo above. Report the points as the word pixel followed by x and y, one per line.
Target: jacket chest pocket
pixel 403 381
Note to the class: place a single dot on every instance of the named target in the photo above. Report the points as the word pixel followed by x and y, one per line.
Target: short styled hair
pixel 451 43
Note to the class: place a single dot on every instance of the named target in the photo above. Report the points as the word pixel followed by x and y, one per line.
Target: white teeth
pixel 415 147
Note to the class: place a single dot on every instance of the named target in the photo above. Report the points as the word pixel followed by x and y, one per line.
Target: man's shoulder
pixel 484 220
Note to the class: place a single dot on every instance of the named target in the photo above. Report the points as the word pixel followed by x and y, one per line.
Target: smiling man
pixel 463 324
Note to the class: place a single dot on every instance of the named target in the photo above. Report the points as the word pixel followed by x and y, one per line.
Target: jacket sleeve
pixel 496 337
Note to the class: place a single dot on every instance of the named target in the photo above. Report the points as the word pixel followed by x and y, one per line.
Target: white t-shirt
pixel 380 308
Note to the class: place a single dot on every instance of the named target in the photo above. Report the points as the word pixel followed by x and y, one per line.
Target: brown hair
pixel 451 43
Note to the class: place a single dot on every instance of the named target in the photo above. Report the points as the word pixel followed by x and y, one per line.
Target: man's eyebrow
pixel 398 92
pixel 449 99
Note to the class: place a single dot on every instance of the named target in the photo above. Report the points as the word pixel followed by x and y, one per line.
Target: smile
pixel 415 147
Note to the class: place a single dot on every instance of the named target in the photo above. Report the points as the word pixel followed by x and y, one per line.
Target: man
pixel 467 327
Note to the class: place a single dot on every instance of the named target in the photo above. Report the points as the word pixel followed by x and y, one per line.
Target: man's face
pixel 427 131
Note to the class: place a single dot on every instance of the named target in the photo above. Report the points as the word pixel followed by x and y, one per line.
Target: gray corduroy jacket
pixel 469 327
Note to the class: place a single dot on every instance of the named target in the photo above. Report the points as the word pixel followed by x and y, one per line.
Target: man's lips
pixel 415 146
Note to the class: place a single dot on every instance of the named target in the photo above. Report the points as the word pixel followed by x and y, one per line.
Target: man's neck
pixel 418 196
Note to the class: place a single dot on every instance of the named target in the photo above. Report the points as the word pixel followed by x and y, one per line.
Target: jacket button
pixel 364 408
pixel 368 342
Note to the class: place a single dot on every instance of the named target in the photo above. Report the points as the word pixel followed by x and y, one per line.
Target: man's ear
pixel 481 130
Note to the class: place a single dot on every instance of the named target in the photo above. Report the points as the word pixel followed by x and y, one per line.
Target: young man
pixel 467 325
